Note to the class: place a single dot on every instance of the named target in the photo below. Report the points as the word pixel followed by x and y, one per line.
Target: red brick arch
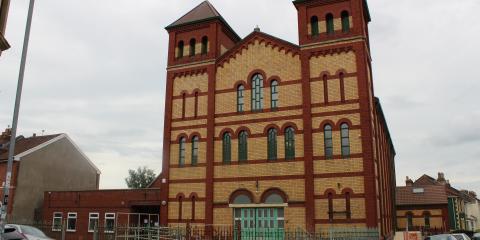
pixel 270 191
pixel 241 191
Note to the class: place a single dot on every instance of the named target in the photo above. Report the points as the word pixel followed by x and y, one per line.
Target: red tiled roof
pixel 203 11
pixel 25 144
pixel 434 194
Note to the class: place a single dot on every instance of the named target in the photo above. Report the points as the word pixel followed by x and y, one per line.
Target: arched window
pixel 410 220
pixel 184 100
pixel 289 143
pixel 204 45
pixel 345 135
pixel 242 199
pixel 227 148
pixel 181 152
pixel 240 100
pixel 342 86
pixel 193 207
pixel 325 88
pixel 193 43
pixel 180 203
pixel 314 25
pixel 272 144
pixel 194 150
pixel 329 23
pixel 328 141
pixel 257 92
pixel 273 199
pixel 242 146
pixel 195 113
pixel 180 49
pixel 345 22
pixel 347 205
pixel 330 207
pixel 427 219
pixel 274 94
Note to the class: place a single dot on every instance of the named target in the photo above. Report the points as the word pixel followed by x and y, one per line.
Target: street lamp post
pixel 11 149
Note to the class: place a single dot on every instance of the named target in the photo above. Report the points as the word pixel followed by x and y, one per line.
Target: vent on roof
pixel 418 190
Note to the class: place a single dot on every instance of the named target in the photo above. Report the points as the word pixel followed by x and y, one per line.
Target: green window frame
pixel 329 23
pixel 193 43
pixel 345 140
pixel 257 92
pixel 181 46
pixel 227 148
pixel 328 141
pixel 289 143
pixel 272 144
pixel 240 98
pixel 345 22
pixel 274 94
pixel 314 26
pixel 194 150
pixel 181 152
pixel 243 146
pixel 204 45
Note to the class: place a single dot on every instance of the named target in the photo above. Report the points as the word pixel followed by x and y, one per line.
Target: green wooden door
pixel 260 223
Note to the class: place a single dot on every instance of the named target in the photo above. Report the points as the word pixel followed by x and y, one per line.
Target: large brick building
pixel 261 129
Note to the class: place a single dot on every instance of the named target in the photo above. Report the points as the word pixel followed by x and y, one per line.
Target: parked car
pixel 476 236
pixel 461 236
pixel 28 232
pixel 11 234
pixel 441 237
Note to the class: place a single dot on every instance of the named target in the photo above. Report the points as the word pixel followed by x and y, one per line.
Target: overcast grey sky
pixel 96 71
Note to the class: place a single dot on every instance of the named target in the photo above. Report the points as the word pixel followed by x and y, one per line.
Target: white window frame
pixel 109 216
pixel 73 216
pixel 93 216
pixel 53 221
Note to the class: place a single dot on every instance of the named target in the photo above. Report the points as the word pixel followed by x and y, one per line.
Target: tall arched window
pixel 193 43
pixel 345 135
pixel 195 113
pixel 181 152
pixel 240 100
pixel 345 22
pixel 325 88
pixel 180 49
pixel 272 144
pixel 274 94
pixel 227 148
pixel 289 143
pixel 257 92
pixel 328 141
pixel 342 86
pixel 329 23
pixel 184 100
pixel 314 25
pixel 180 203
pixel 242 146
pixel 204 45
pixel 193 207
pixel 194 150
pixel 330 207
pixel 347 205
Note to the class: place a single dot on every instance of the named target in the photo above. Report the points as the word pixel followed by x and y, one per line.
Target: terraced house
pixel 269 134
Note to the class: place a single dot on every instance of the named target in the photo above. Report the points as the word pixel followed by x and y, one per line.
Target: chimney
pixel 6 134
pixel 34 135
pixel 441 178
pixel 408 182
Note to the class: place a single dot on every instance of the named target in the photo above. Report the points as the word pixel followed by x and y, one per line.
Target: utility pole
pixel 11 149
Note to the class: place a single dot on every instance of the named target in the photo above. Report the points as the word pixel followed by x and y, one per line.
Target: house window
pixel 204 45
pixel 410 220
pixel 57 221
pixel 180 207
pixel 314 25
pixel 329 22
pixel 184 100
pixel 289 143
pixel 227 148
pixel 330 207
pixel 427 220
pixel 195 114
pixel 347 205
pixel 193 42
pixel 345 140
pixel 181 150
pixel 92 222
pixel 242 146
pixel 240 100
pixel 345 22
pixel 274 94
pixel 257 92
pixel 193 207
pixel 109 222
pixel 328 141
pixel 180 49
pixel 194 150
pixel 272 144
pixel 71 222
pixel 342 86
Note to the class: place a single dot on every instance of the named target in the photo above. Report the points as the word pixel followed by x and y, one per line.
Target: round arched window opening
pixel 242 199
pixel 274 199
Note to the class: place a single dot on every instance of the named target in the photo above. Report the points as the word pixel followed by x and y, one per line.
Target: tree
pixel 140 178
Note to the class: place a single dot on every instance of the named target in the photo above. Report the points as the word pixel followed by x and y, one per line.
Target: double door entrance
pixel 260 223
